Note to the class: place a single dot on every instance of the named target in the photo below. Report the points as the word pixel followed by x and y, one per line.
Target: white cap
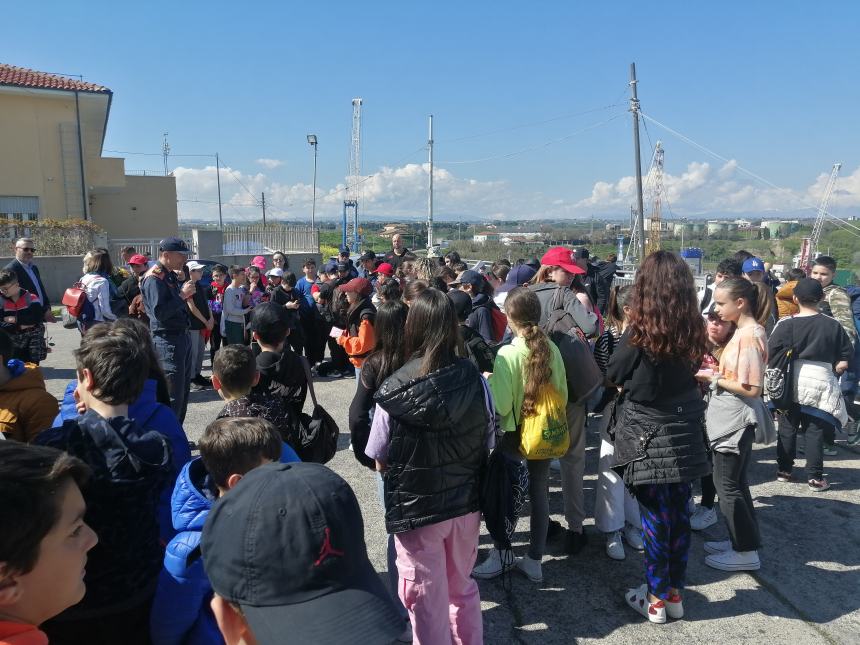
pixel 194 265
pixel 278 273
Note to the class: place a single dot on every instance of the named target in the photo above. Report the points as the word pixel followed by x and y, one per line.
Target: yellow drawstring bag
pixel 545 434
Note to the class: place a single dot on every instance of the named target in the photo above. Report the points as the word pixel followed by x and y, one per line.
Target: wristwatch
pixel 715 379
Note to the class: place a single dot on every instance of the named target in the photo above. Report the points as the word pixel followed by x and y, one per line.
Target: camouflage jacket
pixel 839 304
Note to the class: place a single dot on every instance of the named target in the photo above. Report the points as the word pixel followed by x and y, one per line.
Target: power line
pixel 706 150
pixel 156 154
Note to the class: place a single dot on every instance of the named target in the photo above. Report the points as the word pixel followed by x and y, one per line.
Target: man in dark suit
pixel 28 274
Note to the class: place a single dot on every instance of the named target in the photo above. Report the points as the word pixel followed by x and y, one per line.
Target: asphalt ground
pixel 807 591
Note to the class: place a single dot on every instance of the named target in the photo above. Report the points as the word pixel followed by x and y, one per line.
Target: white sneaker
pixel 718 547
pixel 494 565
pixel 674 607
pixel 732 560
pixel 614 546
pixel 633 537
pixel 638 599
pixel 530 568
pixel 702 518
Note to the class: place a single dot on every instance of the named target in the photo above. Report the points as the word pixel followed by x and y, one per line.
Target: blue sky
pixel 770 85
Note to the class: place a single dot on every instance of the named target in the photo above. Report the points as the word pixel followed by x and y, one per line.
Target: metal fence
pixel 256 238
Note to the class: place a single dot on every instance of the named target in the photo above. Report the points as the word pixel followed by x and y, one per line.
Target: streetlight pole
pixel 312 139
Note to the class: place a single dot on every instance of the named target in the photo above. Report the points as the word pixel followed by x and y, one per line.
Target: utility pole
pixel 165 152
pixel 430 195
pixel 634 109
pixel 218 179
pixel 264 209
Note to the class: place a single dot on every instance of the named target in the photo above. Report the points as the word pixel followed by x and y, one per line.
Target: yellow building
pixel 52 131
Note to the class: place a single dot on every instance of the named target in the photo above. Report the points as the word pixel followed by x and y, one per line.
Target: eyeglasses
pixel 28 249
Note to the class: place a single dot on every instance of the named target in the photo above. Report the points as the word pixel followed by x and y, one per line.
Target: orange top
pixel 744 357
pixel 358 347
pixel 21 634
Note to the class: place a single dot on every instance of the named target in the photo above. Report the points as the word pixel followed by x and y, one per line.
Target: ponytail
pixel 523 309
pixel 755 293
pixel 538 371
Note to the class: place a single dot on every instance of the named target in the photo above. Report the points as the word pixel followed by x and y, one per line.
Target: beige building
pixel 52 131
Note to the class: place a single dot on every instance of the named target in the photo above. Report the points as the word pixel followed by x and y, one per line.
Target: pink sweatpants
pixel 434 563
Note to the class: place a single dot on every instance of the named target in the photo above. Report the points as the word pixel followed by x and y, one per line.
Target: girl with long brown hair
pixel 660 441
pixel 521 372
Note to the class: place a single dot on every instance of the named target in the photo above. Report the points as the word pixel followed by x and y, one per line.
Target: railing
pixel 148 173
pixel 145 246
pixel 256 238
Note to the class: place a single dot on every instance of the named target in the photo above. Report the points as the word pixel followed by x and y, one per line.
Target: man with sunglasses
pixel 28 274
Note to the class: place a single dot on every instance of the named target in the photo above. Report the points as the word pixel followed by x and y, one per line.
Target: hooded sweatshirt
pixel 25 407
pixel 784 304
pixel 21 634
pixel 180 610
pixel 130 467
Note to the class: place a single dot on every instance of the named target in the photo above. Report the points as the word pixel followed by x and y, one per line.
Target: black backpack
pixel 316 434
pixel 504 484
pixel 779 376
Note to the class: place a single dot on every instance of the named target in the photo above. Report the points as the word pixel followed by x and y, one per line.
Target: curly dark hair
pixel 665 321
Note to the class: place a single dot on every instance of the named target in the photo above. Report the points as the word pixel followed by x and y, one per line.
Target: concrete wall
pixel 59 272
pixel 145 207
pixel 30 164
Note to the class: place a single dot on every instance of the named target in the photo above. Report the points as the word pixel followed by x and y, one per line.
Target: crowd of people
pixel 116 528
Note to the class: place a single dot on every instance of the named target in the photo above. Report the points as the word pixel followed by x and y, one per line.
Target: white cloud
pixel 270 164
pixel 699 190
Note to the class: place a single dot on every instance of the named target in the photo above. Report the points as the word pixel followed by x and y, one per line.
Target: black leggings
pixel 709 491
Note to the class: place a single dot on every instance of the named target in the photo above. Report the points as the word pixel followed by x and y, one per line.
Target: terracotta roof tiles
pixel 23 77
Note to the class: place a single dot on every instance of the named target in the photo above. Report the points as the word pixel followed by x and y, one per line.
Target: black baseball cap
pixel 809 290
pixel 174 244
pixel 367 255
pixel 287 546
pixel 342 266
pixel 269 317
pixel 462 303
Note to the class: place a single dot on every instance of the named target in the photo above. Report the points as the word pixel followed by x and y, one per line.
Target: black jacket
pixel 477 349
pixel 130 468
pixel 283 375
pixel 595 285
pixel 26 283
pixel 437 448
pixel 661 445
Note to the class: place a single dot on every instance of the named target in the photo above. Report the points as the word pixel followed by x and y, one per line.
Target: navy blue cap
pixel 174 244
pixel 517 277
pixel 287 545
pixel 469 277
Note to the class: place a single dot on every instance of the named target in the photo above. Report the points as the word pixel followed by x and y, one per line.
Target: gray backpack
pixel 583 375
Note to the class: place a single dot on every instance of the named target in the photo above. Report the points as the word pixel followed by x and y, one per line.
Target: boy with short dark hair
pixel 234 375
pixel 229 448
pixel 44 541
pixel 130 467
pixel 281 370
pixel 26 408
pixel 836 303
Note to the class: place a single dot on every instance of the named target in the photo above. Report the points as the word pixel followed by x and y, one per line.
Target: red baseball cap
pixel 385 269
pixel 360 286
pixel 559 256
pixel 137 258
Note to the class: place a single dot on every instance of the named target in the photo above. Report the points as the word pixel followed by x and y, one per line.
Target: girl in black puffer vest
pixel 660 441
pixel 432 423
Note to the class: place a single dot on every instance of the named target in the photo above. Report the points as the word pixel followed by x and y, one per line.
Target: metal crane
pixel 654 241
pixel 351 238
pixel 809 247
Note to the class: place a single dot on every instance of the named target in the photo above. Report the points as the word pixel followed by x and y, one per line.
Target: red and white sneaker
pixel 653 611
pixel 674 606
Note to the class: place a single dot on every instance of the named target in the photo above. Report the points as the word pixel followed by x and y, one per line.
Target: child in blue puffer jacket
pixel 229 448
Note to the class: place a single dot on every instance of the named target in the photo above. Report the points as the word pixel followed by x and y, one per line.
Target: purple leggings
pixel 666 533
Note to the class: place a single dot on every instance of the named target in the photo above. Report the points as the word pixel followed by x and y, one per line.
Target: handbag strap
pixel 310 379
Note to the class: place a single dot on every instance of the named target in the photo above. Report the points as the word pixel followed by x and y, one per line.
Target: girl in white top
pixel 98 285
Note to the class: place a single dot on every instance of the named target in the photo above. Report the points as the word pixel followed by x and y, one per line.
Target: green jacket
pixel 840 308
pixel 508 381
